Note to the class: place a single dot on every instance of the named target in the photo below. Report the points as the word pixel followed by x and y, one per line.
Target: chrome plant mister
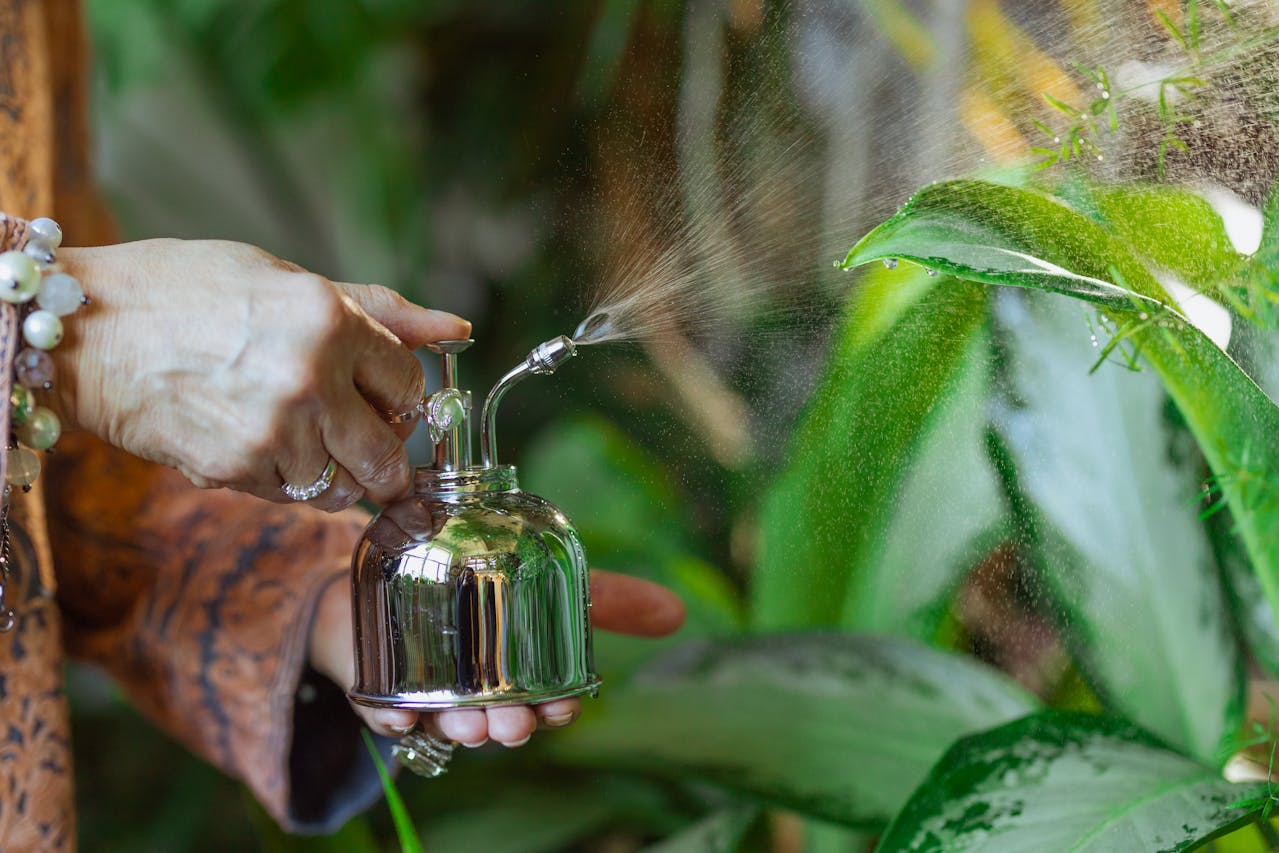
pixel 470 592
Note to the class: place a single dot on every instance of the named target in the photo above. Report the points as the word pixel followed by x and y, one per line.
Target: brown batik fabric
pixel 198 602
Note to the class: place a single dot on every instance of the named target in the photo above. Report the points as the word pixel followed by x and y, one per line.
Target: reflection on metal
pixel 424 754
pixel 470 592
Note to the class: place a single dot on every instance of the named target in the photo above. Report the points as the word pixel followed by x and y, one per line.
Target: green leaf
pixel 949 490
pixel 1267 255
pixel 1067 782
pixel 404 828
pixel 1174 228
pixel 1007 236
pixel 833 725
pixel 999 234
pixel 1119 541
pixel 1258 350
pixel 869 462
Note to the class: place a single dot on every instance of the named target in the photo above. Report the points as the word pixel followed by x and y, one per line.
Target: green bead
pixel 19 277
pixel 21 404
pixel 42 430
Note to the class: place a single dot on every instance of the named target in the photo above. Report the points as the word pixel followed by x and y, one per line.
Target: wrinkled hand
pixel 244 371
pixel 621 604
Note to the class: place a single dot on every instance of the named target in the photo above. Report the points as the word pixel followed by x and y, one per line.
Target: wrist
pixel 62 396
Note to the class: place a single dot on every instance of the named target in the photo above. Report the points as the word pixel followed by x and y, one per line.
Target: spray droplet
pixel 1056 139
pixel 1105 96
pixel 835 264
pixel 1094 341
pixel 594 328
pixel 890 263
pixel 1144 316
pixel 931 272
pixel 1100 158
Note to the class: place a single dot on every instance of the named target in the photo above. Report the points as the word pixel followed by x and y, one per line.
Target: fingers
pixel 343 494
pixel 559 713
pixel 389 722
pixel 366 447
pixel 413 325
pixel 385 370
pixel 511 725
pixel 469 727
pixel 627 605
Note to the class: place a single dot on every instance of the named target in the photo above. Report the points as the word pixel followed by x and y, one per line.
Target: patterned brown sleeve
pixel 199 604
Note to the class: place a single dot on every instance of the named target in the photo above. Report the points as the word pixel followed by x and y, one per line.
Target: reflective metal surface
pixel 426 755
pixel 470 592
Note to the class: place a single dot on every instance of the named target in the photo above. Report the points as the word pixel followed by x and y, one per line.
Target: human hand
pixel 622 604
pixel 244 371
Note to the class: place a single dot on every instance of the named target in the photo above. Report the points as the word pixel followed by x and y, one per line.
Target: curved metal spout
pixel 545 358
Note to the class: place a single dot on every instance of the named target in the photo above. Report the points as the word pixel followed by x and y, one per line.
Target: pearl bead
pixel 40 253
pixel 21 404
pixel 33 368
pixel 42 329
pixel 46 231
pixel 60 294
pixel 19 277
pixel 42 430
pixel 24 467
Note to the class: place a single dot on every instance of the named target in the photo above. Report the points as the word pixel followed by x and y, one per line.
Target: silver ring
pixel 424 754
pixel 314 490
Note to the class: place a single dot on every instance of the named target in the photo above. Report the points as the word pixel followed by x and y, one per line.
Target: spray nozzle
pixel 545 358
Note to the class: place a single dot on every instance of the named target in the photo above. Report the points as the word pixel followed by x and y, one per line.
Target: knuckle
pixel 244 253
pixel 321 310
pixel 297 389
pixel 412 385
pixel 384 468
pixel 219 470
pixel 264 440
pixel 382 300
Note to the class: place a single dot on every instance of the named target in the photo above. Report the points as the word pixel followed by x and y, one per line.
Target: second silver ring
pixel 312 490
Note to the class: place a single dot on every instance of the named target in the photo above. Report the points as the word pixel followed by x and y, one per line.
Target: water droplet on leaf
pixel 890 263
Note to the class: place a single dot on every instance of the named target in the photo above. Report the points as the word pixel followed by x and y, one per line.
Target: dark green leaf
pixel 833 725
pixel 1007 236
pixel 1060 781
pixel 1118 537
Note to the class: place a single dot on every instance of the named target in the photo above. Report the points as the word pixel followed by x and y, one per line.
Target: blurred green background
pixel 501 159
pixel 479 157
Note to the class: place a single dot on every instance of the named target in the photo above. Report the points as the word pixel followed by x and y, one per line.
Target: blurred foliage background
pixel 500 158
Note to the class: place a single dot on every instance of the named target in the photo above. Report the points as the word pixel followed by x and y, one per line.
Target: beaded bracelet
pixel 31 280
pixel 40 295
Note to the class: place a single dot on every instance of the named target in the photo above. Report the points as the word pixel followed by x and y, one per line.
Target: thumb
pixel 414 325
